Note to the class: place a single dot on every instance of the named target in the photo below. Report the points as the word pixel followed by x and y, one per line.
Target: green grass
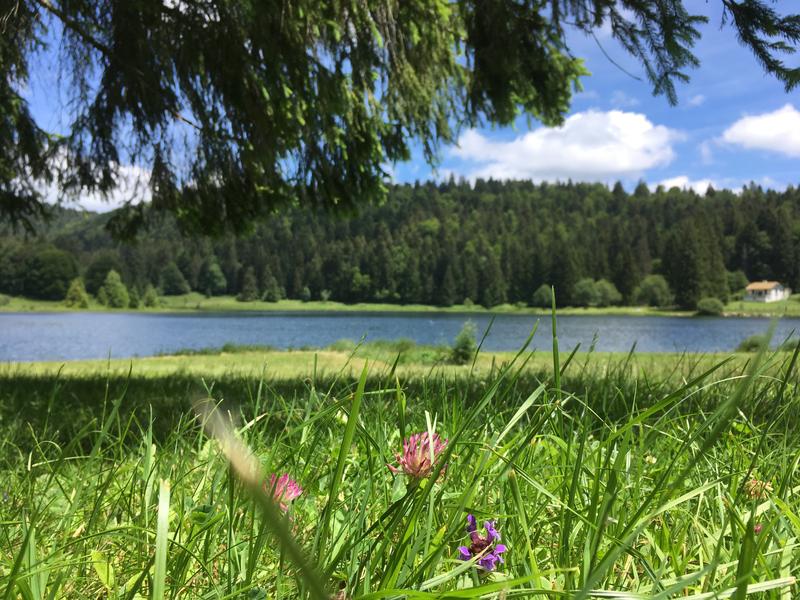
pixel 784 308
pixel 624 474
pixel 195 302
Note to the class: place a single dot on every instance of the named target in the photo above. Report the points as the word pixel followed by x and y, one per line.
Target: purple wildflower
pixel 485 546
pixel 415 459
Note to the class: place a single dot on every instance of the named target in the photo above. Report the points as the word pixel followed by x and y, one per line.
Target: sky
pixel 733 125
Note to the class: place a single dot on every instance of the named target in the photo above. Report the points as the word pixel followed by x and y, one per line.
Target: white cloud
pixel 620 99
pixel 132 187
pixel 589 146
pixel 778 131
pixel 697 100
pixel 683 182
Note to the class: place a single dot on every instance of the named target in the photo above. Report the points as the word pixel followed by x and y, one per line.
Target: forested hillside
pixel 441 244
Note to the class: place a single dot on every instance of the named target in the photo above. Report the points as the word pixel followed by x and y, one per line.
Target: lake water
pixel 68 336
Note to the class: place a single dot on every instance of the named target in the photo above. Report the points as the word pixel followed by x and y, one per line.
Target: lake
pixel 70 336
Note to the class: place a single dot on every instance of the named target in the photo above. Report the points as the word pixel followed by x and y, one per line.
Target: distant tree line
pixel 449 243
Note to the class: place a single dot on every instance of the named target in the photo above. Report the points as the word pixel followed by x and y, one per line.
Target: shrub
pixel 135 301
pixel 5 300
pixel 607 293
pixel 542 297
pixel 653 291
pixel 116 294
pixel 305 294
pixel 710 307
pixel 585 293
pixel 325 295
pixel 465 345
pixel 150 299
pixel 76 294
pixel 752 344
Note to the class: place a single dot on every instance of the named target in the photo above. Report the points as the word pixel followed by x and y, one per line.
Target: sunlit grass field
pixel 606 476
pixel 199 303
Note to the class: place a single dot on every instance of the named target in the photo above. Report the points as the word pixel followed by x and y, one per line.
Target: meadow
pixel 605 476
pixel 196 302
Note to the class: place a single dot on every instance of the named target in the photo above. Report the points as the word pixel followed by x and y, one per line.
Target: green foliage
pixel 114 291
pixel 249 286
pixel 270 125
pixel 173 283
pixel 273 292
pixel 465 345
pixel 5 300
pixel 754 343
pixel 542 297
pixel 76 295
pixel 150 298
pixel 585 293
pixel 607 293
pixel 98 268
pixel 47 273
pixel 710 307
pixel 134 301
pixel 737 281
pixel 539 234
pixel 653 291
pixel 305 294
pixel 212 280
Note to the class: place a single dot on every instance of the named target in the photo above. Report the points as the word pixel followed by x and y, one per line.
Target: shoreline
pixel 195 303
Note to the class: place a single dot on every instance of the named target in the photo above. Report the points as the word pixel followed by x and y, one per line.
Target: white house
pixel 766 291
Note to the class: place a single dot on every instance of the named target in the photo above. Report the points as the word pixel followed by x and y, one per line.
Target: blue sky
pixel 733 124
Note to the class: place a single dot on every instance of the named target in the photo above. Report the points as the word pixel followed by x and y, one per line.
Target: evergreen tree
pixel 152 65
pixel 447 288
pixel 249 291
pixel 99 267
pixel 492 286
pixel 682 266
pixel 272 291
pixel 173 283
pixel 76 295
pixel 211 280
pixel 135 301
pixel 114 291
pixel 150 299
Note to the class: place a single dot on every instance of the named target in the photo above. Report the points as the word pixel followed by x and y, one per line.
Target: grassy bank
pixel 195 302
pixel 677 477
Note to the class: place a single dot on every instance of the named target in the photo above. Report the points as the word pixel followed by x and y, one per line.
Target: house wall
pixel 773 295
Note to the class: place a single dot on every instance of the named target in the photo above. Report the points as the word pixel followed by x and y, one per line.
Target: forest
pixel 445 243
